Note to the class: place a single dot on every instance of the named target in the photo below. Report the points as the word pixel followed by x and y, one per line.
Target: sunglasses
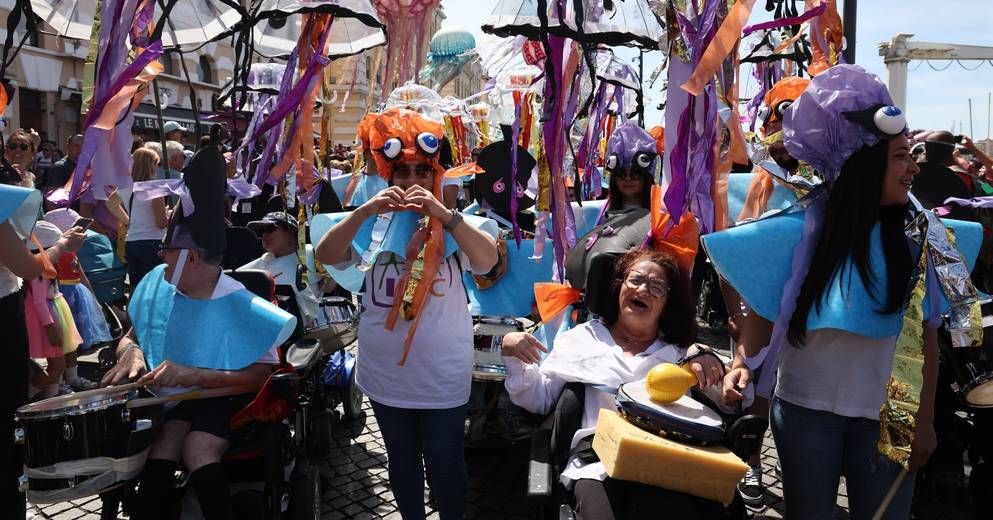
pixel 13 146
pixel 419 171
pixel 628 173
pixel 162 249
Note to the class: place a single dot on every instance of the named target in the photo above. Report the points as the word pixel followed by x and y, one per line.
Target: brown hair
pixel 24 134
pixel 678 322
pixel 145 162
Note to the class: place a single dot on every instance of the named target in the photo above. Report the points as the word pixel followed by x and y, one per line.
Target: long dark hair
pixel 617 200
pixel 678 322
pixel 850 214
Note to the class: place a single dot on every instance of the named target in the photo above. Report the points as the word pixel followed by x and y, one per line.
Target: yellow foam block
pixel 630 453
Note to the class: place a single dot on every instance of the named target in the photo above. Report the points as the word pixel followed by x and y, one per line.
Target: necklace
pixel 631 341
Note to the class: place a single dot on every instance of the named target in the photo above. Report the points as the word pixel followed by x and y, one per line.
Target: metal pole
pixel 970 118
pixel 989 98
pixel 849 23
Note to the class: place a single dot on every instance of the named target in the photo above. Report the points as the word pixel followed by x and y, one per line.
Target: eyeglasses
pixel 420 171
pixel 656 287
pixel 162 249
pixel 13 146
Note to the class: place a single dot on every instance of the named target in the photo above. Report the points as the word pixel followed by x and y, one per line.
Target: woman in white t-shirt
pixel 843 306
pixel 415 345
pixel 148 220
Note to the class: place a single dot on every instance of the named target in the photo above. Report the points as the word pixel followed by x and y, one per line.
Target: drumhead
pixel 77 403
pixel 982 395
pixel 685 409
pixel 494 326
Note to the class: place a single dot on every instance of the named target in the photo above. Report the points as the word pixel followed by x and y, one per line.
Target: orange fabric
pixel 830 24
pixel 723 43
pixel 552 298
pixel 758 195
pixel 3 99
pixel 266 407
pixel 466 169
pixel 658 132
pixel 682 240
pixel 48 270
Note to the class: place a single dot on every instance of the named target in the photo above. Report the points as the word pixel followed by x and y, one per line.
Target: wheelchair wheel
pixel 305 503
pixel 352 399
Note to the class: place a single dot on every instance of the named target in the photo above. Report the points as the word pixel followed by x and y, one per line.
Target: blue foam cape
pixel 227 333
pixel 738 188
pixel 586 215
pixel 513 294
pixel 19 206
pixel 756 259
pixel 402 227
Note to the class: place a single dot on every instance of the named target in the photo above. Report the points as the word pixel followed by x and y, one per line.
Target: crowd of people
pixel 405 235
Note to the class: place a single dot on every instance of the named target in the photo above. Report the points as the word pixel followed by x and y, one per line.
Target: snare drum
pixel 970 366
pixel 685 419
pixel 488 335
pixel 337 325
pixel 71 439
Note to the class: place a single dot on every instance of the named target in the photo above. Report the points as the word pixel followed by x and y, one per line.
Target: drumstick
pixel 889 495
pixel 202 393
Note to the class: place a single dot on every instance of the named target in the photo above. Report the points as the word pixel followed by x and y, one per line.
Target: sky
pixel 936 99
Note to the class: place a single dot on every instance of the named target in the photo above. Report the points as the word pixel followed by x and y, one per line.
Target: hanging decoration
pixel 406 21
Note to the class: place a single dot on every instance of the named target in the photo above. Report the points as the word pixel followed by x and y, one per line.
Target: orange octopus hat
pixel 780 96
pixel 398 135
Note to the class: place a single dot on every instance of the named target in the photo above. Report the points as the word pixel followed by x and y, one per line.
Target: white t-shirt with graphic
pixel 438 370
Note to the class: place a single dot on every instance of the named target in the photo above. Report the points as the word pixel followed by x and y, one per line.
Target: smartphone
pixel 83 222
pixel 960 139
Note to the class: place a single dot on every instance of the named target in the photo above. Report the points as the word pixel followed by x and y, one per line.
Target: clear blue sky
pixel 935 99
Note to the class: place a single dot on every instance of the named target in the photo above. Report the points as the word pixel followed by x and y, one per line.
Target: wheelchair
pixel 270 466
pixel 551 442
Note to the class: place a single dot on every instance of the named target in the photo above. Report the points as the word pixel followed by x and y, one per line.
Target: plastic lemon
pixel 667 382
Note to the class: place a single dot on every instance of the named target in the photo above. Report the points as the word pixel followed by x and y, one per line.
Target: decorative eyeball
pixel 499 186
pixel 428 143
pixel 763 113
pixel 890 120
pixel 643 160
pixel 392 148
pixel 612 162
pixel 782 106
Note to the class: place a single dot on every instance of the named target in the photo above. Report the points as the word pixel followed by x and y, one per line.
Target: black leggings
pixel 620 499
pixel 14 374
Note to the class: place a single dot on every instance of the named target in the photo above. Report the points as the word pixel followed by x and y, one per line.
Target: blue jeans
pixel 437 436
pixel 815 448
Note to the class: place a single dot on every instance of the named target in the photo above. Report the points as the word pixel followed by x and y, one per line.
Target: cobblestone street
pixel 356 483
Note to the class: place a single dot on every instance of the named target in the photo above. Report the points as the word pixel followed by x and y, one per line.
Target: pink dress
pixel 44 305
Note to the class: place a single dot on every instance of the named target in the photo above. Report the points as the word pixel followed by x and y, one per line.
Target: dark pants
pixel 816 448
pixel 142 257
pixel 14 374
pixel 437 436
pixel 620 499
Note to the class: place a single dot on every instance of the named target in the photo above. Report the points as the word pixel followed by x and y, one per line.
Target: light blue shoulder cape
pixel 19 206
pixel 402 226
pixel 756 259
pixel 227 333
pixel 513 294
pixel 738 189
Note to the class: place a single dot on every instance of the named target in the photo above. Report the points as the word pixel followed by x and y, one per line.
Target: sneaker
pixel 81 384
pixel 750 488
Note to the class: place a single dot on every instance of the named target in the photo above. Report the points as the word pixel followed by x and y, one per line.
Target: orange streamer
pixel 719 48
pixel 553 298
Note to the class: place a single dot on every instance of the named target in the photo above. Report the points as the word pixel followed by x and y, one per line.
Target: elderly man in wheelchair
pixel 646 318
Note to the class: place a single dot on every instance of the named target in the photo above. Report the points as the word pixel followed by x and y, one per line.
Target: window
pixel 166 61
pixel 206 70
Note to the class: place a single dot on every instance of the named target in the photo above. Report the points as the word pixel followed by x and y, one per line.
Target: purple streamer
pixel 783 22
pixel 148 190
pixel 515 135
pixel 239 188
pixel 813 221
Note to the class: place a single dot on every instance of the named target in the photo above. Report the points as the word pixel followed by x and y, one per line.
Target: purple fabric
pixel 148 190
pixel 239 188
pixel 814 127
pixel 628 140
pixel 515 136
pixel 803 252
pixel 976 202
pixel 783 22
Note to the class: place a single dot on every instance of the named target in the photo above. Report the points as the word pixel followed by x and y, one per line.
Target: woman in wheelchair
pixel 652 322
